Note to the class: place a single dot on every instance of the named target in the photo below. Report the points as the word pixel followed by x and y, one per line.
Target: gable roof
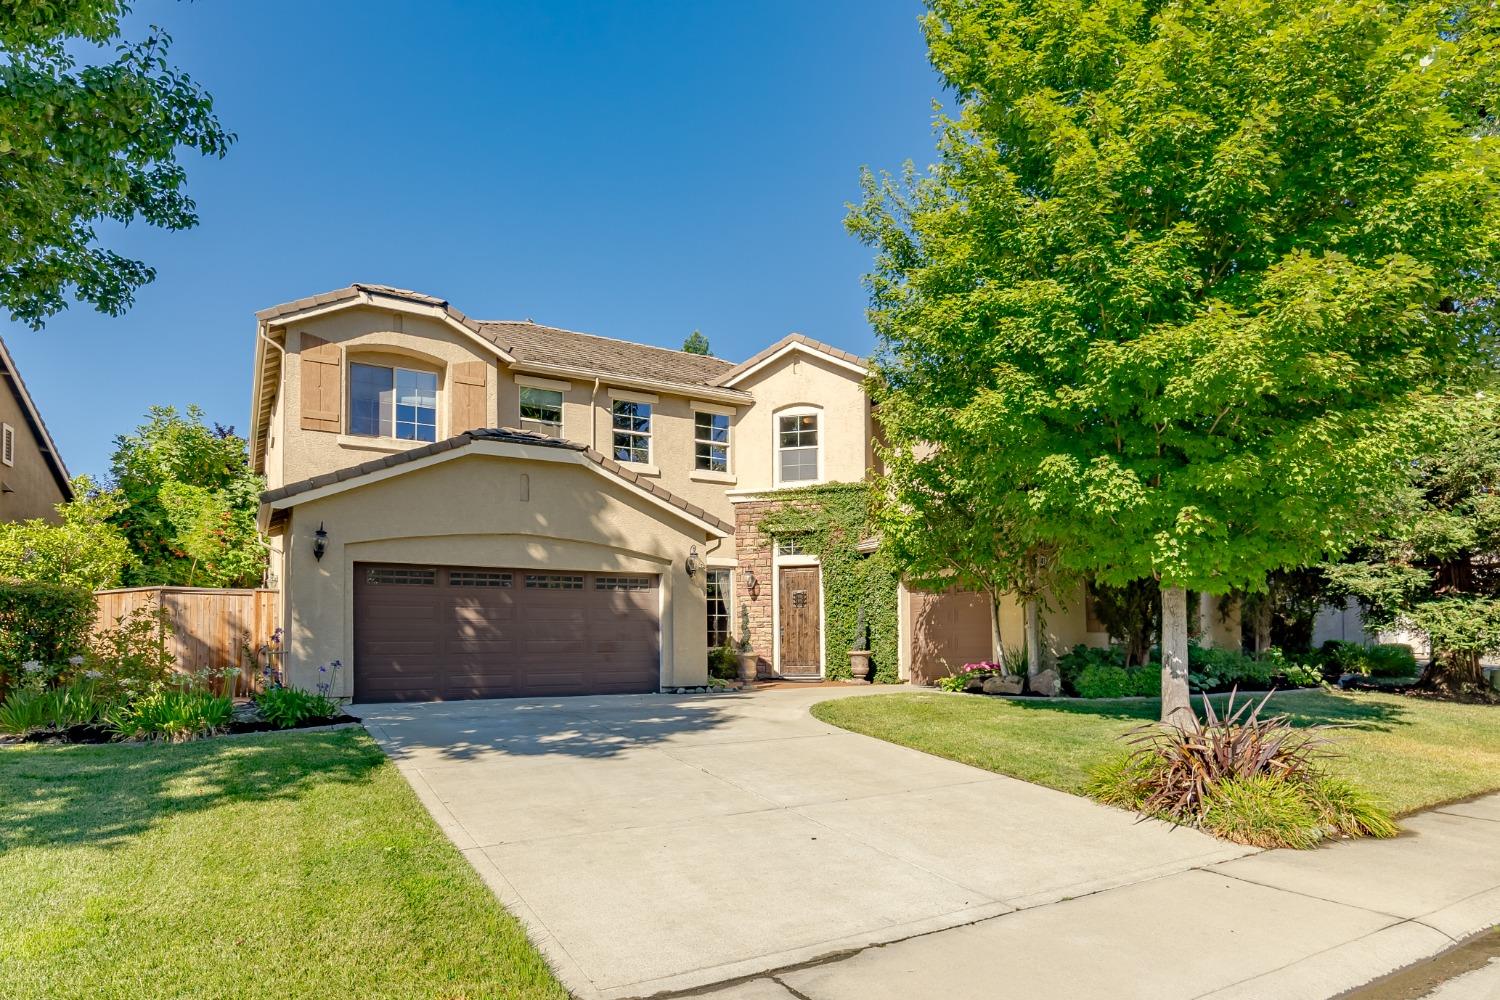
pixel 792 342
pixel 12 376
pixel 502 435
pixel 533 344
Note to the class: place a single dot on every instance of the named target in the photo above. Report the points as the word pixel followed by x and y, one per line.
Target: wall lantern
pixel 320 542
pixel 751 583
pixel 693 563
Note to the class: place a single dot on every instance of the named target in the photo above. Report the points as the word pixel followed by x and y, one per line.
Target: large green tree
pixel 188 503
pixel 1182 273
pixel 1435 568
pixel 85 143
pixel 82 547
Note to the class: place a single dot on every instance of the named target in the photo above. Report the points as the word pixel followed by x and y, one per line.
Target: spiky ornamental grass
pixel 1253 780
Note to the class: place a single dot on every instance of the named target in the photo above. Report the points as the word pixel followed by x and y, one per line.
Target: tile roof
pixel 505 435
pixel 792 338
pixel 550 345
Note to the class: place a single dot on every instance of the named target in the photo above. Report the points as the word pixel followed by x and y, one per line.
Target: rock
pixel 1009 684
pixel 1046 684
pixel 974 686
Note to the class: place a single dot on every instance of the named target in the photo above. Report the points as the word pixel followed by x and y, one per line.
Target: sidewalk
pixel 1283 924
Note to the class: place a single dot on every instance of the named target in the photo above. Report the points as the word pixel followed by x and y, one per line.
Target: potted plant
pixel 859 654
pixel 749 662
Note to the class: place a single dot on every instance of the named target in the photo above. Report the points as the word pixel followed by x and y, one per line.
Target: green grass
pixel 287 865
pixel 1409 753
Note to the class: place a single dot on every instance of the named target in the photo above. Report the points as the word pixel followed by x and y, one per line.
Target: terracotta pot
pixel 859 665
pixel 749 667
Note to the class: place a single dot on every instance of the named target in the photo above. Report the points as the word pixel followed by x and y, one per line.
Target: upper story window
pixel 541 410
pixel 632 431
pixel 392 402
pixel 797 458
pixel 711 442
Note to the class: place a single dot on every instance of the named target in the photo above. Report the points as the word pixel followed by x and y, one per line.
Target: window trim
pixel 726 444
pixel 521 390
pixel 8 444
pixel 796 411
pixel 649 433
pixel 437 401
pixel 727 593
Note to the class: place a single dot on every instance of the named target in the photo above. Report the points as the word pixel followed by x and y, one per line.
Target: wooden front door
pixel 800 615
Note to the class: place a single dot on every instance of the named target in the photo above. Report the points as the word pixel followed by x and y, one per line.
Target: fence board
pixel 211 629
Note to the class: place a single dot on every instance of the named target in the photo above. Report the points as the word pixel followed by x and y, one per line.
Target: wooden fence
pixel 211 629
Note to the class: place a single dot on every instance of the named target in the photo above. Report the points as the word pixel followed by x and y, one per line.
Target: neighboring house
pixel 460 508
pixel 33 479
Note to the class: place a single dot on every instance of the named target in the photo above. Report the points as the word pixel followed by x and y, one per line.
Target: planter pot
pixel 749 667
pixel 859 665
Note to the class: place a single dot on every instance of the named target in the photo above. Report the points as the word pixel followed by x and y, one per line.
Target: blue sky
pixel 626 169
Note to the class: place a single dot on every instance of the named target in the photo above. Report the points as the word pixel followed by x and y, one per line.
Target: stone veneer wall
pixel 754 553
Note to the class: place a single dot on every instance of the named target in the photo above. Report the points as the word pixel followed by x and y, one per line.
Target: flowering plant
pixel 971 672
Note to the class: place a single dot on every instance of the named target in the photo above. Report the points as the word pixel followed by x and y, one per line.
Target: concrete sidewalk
pixel 1281 924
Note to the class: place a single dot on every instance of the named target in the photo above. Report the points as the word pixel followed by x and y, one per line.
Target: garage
pixel 442 633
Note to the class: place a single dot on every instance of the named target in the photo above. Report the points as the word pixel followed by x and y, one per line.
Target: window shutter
pixel 470 408
pixel 322 366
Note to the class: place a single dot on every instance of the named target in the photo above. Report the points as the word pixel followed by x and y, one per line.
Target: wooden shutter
pixel 322 366
pixel 470 407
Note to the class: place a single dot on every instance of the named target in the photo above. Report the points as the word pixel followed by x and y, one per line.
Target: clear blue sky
pixel 629 169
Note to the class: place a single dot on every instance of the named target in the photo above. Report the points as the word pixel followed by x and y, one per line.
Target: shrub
pixel 28 710
pixel 1145 682
pixel 1391 659
pixel 1103 681
pixel 43 622
pixel 724 662
pixel 285 707
pixel 174 715
pixel 1072 664
pixel 970 672
pixel 1248 779
pixel 132 653
pixel 24 711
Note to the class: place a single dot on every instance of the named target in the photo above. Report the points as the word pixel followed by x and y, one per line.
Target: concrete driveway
pixel 658 843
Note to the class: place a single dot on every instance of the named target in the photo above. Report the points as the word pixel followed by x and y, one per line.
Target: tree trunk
pixel 1455 674
pixel 1207 605
pixel 997 644
pixel 1033 639
pixel 1263 624
pixel 1176 701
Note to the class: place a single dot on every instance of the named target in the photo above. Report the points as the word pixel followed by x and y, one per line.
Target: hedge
pixel 46 622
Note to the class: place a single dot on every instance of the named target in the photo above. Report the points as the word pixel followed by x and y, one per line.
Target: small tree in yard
pixel 1436 569
pixel 1168 302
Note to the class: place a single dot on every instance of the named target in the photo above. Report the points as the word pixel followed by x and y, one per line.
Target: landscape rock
pixel 1046 684
pixel 1009 684
pixel 974 685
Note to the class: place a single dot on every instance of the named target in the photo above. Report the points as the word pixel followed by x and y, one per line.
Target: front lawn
pixel 1410 753
pixel 289 865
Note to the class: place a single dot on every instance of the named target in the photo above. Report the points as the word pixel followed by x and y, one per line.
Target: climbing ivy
pixel 829 521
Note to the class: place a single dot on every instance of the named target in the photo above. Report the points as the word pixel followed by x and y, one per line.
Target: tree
pixel 696 343
pixel 84 549
pixel 83 144
pixel 1168 299
pixel 1130 612
pixel 1436 567
pixel 189 500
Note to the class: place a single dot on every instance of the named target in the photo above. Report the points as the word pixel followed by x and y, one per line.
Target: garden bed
pixel 98 732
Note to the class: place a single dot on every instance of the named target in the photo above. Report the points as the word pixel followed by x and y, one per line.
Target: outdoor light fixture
pixel 320 542
pixel 693 564
pixel 751 583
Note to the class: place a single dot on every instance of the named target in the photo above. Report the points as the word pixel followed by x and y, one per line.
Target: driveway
pixel 658 843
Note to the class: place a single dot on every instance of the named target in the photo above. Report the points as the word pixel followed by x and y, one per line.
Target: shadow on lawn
pixel 106 795
pixel 1305 708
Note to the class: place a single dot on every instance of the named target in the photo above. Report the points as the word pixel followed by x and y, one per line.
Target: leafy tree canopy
pixel 1167 303
pixel 189 500
pixel 80 144
pixel 696 343
pixel 83 549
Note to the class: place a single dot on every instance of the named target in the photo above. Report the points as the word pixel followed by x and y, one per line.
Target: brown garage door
pixel 946 631
pixel 438 633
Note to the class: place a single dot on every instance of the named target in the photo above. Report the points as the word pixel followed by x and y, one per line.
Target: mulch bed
pixel 96 733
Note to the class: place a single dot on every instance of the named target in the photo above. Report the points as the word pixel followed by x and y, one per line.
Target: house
pixel 33 479
pixel 461 508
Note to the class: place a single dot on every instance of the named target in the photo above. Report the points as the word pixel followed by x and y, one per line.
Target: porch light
pixel 751 583
pixel 320 542
pixel 693 563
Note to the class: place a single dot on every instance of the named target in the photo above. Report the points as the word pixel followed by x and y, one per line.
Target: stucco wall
pixel 800 379
pixel 466 511
pixel 380 337
pixel 36 492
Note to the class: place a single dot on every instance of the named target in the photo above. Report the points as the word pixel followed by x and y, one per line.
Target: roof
pixel 532 343
pixel 358 291
pixel 503 435
pixel 11 374
pixel 793 341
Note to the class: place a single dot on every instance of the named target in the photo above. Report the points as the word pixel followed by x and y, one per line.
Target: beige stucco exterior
pixel 31 485
pixel 465 509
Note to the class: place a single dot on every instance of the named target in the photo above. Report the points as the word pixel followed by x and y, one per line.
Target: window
pixel 632 431
pixel 541 581
pixel 717 584
pixel 477 578
pixel 789 547
pixel 392 402
pixel 410 577
pixel 797 447
pixel 7 444
pixel 622 583
pixel 711 442
pixel 541 410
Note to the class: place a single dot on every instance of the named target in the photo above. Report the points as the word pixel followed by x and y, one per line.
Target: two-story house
pixel 33 479
pixel 465 509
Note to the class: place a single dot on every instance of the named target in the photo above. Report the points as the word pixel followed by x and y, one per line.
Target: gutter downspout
pixel 594 416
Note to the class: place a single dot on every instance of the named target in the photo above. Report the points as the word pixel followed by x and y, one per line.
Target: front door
pixel 800 615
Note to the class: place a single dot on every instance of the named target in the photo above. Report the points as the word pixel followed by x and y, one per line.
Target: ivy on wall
pixel 829 522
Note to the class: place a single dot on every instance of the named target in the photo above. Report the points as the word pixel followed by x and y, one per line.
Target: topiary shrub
pixel 45 622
